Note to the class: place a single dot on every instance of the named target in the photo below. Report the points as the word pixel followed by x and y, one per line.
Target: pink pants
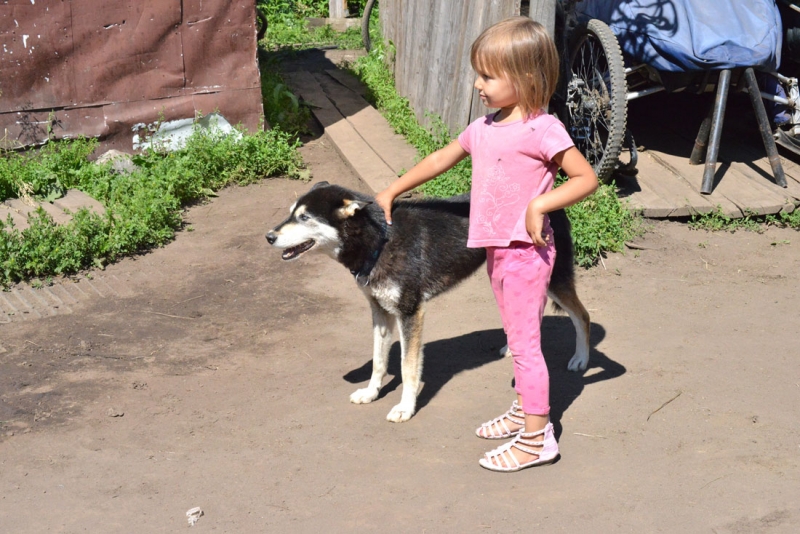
pixel 520 274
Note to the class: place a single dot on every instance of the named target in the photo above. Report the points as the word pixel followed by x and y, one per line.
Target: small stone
pixel 113 412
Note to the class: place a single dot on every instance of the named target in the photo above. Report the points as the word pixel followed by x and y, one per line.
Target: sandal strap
pixel 514 414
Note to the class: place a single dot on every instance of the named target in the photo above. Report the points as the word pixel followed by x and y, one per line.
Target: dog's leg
pixel 411 366
pixel 382 328
pixel 566 297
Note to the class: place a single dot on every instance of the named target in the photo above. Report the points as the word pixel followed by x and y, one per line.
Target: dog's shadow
pixel 446 358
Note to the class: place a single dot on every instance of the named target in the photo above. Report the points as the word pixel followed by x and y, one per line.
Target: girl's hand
pixel 534 222
pixel 430 167
pixel 384 199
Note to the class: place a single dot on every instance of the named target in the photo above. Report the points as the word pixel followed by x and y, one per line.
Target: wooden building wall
pixel 432 41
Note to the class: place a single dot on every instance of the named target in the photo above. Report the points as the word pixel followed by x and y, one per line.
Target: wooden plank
pixel 352 147
pixel 461 91
pixel 677 191
pixel 422 58
pixel 349 81
pixel 337 9
pixel 370 125
pixel 442 50
pixel 749 191
pixel 756 160
pixel 544 11
pixel 641 198
pixel 676 185
pixel 733 182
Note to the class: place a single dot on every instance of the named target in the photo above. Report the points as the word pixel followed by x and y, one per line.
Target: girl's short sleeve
pixel 555 140
pixel 465 138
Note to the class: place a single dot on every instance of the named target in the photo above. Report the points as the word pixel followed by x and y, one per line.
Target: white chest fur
pixel 386 294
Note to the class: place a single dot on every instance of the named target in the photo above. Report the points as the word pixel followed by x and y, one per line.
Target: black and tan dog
pixel 400 267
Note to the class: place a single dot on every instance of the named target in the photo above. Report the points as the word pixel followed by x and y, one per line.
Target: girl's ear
pixel 351 207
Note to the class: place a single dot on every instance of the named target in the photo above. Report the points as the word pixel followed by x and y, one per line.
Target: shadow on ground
pixel 445 358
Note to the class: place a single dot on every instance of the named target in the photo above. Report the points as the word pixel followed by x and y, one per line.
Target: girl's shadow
pixel 446 358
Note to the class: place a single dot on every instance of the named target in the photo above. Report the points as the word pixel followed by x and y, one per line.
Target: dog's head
pixel 316 221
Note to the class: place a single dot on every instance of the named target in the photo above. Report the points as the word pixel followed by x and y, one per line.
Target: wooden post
pixel 543 12
pixel 337 9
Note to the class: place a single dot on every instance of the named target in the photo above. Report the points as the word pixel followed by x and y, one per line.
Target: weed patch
pixel 717 221
pixel 287 26
pixel 143 208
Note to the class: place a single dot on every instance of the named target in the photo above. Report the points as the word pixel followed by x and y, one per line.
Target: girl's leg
pixel 525 276
pixel 510 423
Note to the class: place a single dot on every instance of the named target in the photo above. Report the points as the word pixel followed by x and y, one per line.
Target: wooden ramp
pixel 665 185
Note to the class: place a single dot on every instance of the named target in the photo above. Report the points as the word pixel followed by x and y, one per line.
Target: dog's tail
pixel 562 280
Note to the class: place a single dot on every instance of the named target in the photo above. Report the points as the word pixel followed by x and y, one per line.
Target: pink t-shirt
pixel 512 163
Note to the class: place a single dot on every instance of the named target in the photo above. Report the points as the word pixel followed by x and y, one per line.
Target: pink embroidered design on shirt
pixel 496 192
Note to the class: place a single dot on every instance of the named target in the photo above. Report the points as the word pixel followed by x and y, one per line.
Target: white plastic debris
pixel 193 514
pixel 172 135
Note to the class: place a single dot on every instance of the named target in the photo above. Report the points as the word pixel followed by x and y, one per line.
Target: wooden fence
pixel 432 42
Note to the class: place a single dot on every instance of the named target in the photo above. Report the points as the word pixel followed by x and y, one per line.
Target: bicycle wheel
pixel 365 24
pixel 596 105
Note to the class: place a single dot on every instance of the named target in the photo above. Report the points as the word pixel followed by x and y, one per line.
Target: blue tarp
pixel 693 35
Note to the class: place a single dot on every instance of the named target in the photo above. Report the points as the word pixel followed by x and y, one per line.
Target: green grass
pixel 787 220
pixel 717 221
pixel 287 26
pixel 288 34
pixel 601 223
pixel 143 208
pixel 282 108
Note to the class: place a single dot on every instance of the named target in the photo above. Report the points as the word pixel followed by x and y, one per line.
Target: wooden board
pixel 369 124
pixel 352 147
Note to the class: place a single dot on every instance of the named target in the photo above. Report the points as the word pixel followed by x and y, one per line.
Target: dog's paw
pixel 364 395
pixel 400 413
pixel 579 362
pixel 505 352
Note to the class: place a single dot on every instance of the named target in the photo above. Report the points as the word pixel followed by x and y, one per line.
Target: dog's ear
pixel 351 207
pixel 318 185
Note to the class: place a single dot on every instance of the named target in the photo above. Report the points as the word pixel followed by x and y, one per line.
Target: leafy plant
pixel 716 220
pixel 282 108
pixel 143 208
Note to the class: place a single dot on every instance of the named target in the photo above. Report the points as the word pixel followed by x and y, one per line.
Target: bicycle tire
pixel 596 106
pixel 365 24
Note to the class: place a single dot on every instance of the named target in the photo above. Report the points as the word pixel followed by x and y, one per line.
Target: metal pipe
pixel 790 5
pixel 781 77
pixel 778 99
pixel 633 95
pixel 716 131
pixel 764 127
pixel 629 70
pixel 701 143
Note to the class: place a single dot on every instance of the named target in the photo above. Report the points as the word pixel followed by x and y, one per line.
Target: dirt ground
pixel 222 381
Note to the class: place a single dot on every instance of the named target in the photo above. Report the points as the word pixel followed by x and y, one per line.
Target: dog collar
pixel 363 275
pixel 366 269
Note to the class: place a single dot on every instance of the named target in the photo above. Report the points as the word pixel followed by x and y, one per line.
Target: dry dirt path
pixel 221 378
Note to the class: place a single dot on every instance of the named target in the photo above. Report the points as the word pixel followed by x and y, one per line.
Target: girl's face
pixel 496 91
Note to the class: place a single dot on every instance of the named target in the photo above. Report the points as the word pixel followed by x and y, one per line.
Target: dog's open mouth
pixel 292 252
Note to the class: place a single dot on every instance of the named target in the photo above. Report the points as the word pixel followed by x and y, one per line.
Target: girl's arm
pixel 432 166
pixel 582 182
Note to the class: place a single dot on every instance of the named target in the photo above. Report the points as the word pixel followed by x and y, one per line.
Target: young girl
pixel 516 153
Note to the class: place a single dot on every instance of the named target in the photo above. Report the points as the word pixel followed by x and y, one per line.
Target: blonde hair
pixel 520 50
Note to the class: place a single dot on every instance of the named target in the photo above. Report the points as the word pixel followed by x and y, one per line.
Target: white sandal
pixel 514 414
pixel 502 458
